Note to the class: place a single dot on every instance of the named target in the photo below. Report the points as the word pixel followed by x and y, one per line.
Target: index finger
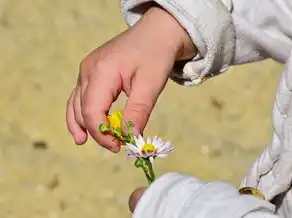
pixel 102 90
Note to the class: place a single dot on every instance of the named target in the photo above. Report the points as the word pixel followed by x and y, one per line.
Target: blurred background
pixel 218 128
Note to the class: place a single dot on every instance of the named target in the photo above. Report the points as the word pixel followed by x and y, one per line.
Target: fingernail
pixel 78 142
pixel 114 149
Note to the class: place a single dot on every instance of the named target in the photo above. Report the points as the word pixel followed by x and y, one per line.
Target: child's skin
pixel 137 62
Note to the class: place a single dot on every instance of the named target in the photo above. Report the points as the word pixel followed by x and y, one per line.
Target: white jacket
pixel 229 32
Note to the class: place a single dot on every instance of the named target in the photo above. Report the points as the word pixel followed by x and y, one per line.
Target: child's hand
pixel 137 62
pixel 135 197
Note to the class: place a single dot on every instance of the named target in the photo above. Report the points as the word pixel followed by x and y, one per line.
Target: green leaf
pixel 103 128
pixel 130 124
pixel 138 163
pixel 116 132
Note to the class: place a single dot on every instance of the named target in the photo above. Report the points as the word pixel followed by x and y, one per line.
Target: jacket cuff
pixel 167 196
pixel 176 195
pixel 209 25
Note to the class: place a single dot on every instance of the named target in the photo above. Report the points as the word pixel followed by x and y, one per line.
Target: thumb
pixel 135 197
pixel 145 91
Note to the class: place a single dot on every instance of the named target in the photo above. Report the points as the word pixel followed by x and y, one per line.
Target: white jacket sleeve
pixel 271 173
pixel 225 32
pixel 178 196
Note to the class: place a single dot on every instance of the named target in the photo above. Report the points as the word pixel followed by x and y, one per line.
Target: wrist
pixel 169 32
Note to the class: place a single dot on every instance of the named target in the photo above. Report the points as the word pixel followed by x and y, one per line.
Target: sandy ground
pixel 218 128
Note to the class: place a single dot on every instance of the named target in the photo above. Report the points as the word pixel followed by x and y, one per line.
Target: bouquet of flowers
pixel 145 152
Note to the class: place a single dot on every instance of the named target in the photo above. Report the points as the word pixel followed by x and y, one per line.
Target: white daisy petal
pixel 167 150
pixel 165 145
pixel 148 140
pixel 132 155
pixel 136 139
pixel 162 155
pixel 151 160
pixel 142 139
pixel 162 143
pixel 154 147
pixel 132 148
pixel 158 140
pixel 157 143
pixel 139 141
pixel 154 140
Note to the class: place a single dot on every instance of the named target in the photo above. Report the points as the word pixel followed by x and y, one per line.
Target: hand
pixel 137 62
pixel 135 197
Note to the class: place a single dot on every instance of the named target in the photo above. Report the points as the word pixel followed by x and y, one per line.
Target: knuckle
pixel 86 65
pixel 141 107
pixel 100 65
pixel 86 113
pixel 83 66
pixel 88 120
pixel 92 64
pixel 79 120
pixel 100 141
pixel 70 99
pixel 83 70
pixel 69 102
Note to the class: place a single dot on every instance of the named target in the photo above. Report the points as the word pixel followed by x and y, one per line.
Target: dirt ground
pixel 218 128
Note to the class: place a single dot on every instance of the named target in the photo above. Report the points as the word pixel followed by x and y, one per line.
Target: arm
pixel 179 196
pixel 224 32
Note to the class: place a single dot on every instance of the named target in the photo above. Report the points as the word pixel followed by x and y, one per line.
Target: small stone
pixel 216 153
pixel 217 103
pixel 116 168
pixel 40 145
pixel 62 205
pixel 54 183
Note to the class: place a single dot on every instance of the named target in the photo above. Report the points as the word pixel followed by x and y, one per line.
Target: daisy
pixel 152 148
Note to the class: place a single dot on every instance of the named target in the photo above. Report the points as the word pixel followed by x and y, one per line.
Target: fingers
pixel 101 91
pixel 135 197
pixel 88 108
pixel 79 134
pixel 145 91
pixel 77 107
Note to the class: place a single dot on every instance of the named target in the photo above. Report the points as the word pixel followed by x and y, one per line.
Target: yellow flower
pixel 115 119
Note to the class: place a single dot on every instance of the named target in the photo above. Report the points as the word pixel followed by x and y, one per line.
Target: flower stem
pixel 148 170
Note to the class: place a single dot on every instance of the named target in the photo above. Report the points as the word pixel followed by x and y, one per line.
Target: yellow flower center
pixel 115 119
pixel 147 148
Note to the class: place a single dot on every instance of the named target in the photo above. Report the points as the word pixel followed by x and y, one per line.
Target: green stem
pixel 151 171
pixel 148 170
pixel 148 177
